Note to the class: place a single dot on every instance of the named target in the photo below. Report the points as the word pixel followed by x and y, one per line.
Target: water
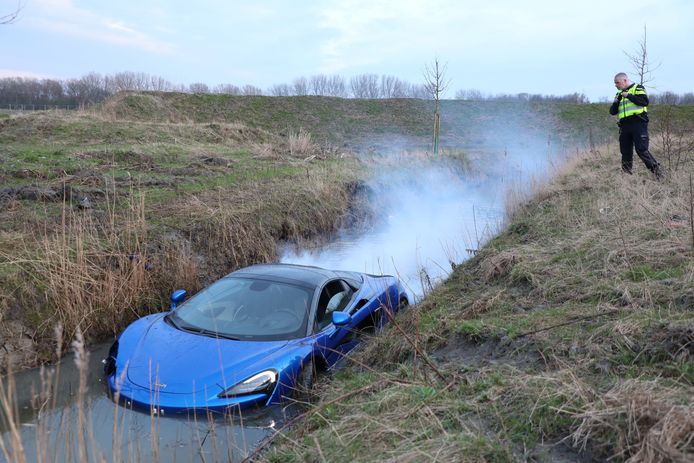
pixel 431 214
pixel 138 436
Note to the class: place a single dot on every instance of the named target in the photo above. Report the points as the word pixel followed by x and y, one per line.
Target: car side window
pixel 335 296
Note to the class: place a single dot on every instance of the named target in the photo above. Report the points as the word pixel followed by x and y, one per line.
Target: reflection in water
pixel 114 433
pixel 431 216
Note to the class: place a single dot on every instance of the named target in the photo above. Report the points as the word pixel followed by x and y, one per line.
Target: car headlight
pixel 262 382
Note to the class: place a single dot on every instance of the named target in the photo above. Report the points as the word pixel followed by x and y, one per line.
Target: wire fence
pixel 36 107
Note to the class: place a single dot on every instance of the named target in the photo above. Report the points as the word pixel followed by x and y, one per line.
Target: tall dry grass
pixel 77 432
pixel 300 143
pixel 639 421
pixel 589 288
pixel 11 447
pixel 96 274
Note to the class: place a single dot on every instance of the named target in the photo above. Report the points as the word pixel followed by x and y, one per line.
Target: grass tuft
pixel 568 336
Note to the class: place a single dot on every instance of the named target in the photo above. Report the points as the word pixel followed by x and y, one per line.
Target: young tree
pixel 640 62
pixel 436 84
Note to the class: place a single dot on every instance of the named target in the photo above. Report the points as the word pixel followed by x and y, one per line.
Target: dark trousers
pixel 634 134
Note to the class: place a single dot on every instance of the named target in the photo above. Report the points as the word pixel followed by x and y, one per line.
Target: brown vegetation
pixel 568 337
pixel 104 218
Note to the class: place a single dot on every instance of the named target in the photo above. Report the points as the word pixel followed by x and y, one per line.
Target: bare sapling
pixel 673 136
pixel 436 83
pixel 641 62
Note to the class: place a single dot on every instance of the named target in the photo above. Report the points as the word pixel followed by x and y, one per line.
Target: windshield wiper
pixel 197 330
pixel 225 336
pixel 170 318
pixel 214 334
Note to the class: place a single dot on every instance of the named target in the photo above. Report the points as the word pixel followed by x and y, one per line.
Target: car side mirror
pixel 177 297
pixel 341 318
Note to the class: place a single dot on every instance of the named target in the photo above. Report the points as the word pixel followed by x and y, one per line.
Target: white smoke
pixel 434 213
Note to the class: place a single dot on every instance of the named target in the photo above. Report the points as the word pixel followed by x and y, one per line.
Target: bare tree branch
pixel 435 79
pixel 640 62
pixel 12 17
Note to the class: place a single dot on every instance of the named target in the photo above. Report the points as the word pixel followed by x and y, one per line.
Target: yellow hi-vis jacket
pixel 626 107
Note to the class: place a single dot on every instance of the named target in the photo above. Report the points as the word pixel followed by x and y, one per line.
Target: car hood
pixel 169 360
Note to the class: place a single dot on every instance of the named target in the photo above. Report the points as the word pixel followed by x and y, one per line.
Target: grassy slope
pixel 376 124
pixel 335 120
pixel 568 337
pixel 596 251
pixel 194 201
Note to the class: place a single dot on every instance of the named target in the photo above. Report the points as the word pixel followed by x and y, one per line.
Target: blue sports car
pixel 251 338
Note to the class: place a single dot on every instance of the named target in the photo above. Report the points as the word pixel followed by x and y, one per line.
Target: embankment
pixel 569 337
pixel 580 310
pixel 101 219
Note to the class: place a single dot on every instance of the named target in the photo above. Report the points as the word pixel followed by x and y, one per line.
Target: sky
pixel 502 46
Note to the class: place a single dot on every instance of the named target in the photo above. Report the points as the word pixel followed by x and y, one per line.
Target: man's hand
pixel 625 94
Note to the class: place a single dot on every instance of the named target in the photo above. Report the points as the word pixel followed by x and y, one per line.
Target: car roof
pixel 300 273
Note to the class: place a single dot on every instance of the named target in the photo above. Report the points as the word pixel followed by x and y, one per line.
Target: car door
pixel 334 342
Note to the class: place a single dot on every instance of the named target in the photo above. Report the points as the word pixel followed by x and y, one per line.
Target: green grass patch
pixel 645 272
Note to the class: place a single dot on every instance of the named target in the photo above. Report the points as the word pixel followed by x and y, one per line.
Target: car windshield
pixel 247 308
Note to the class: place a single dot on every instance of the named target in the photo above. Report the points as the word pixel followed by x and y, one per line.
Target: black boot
pixel 658 172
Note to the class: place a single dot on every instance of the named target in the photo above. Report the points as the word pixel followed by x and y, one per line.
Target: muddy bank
pixel 565 338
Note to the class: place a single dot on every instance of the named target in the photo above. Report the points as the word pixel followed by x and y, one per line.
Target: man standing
pixel 630 105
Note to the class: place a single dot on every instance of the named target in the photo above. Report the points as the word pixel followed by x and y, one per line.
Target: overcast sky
pixel 495 46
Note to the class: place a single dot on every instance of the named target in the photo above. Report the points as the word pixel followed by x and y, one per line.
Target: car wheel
pixel 403 305
pixel 303 387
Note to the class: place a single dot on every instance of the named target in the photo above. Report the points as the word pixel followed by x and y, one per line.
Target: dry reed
pixel 300 143
pixel 639 421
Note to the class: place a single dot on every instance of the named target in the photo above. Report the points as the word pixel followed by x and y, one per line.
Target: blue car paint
pixel 282 356
pixel 208 355
pixel 219 364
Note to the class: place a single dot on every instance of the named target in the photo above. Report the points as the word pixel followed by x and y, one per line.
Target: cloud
pixel 19 73
pixel 64 17
pixel 355 24
pixel 362 32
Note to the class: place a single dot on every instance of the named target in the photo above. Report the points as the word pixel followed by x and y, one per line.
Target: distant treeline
pixel 476 95
pixel 669 98
pixel 94 87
